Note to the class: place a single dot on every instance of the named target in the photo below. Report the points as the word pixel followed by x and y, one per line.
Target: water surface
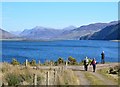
pixel 52 50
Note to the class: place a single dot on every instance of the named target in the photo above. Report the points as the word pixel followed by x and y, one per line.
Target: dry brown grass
pixel 113 77
pixel 68 77
pixel 25 74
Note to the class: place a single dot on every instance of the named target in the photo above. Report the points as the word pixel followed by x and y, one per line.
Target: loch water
pixel 52 50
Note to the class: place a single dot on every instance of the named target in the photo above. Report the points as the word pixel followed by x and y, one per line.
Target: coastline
pixel 115 40
pixel 48 40
pixel 11 39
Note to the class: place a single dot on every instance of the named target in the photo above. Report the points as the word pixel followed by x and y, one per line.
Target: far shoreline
pixel 50 40
pixel 115 40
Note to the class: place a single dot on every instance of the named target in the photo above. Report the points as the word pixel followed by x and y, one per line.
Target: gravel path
pixel 82 79
pixel 79 71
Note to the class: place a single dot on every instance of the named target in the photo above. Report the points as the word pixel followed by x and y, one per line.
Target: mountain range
pixel 90 31
pixel 111 32
pixel 85 30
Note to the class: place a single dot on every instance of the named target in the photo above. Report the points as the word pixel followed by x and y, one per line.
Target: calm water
pixel 52 50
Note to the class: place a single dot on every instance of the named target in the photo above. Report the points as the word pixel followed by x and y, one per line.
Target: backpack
pixel 93 62
pixel 84 62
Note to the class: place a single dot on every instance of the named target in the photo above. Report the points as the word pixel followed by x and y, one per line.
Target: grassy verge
pixel 93 79
pixel 67 77
pixel 105 73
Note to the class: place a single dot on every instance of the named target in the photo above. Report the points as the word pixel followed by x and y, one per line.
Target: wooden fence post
pixel 34 79
pixel 26 62
pixel 47 75
pixel 54 76
pixel 39 62
pixel 66 63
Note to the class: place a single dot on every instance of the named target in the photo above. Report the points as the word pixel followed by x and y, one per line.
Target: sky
pixel 17 16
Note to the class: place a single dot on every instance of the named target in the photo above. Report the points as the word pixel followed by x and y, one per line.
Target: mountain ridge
pixel 6 34
pixel 67 33
pixel 111 32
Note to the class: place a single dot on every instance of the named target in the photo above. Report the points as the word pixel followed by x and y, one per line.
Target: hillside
pixel 40 33
pixel 67 33
pixel 84 30
pixel 108 33
pixel 6 35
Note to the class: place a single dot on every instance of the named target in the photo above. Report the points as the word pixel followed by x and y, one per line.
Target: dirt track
pixel 79 71
pixel 81 74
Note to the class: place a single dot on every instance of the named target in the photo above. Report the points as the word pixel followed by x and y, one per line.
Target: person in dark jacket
pixel 86 61
pixel 103 57
pixel 93 63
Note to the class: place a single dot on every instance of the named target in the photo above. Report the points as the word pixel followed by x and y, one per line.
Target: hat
pixel 103 51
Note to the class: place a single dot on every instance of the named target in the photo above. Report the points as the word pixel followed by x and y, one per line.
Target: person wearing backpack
pixel 86 63
pixel 93 63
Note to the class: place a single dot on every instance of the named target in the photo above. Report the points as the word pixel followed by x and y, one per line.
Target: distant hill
pixel 84 30
pixel 15 32
pixel 110 32
pixel 69 27
pixel 67 33
pixel 6 34
pixel 40 33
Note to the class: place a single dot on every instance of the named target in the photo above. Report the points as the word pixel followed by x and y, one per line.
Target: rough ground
pixel 83 80
pixel 79 70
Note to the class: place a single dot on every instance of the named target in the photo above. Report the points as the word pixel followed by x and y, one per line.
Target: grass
pixel 93 79
pixel 67 77
pixel 21 75
pixel 105 73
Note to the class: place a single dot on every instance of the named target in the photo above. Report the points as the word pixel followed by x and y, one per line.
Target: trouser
pixel 94 67
pixel 86 67
pixel 102 61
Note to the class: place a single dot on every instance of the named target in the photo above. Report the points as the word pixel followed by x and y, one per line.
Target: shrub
pixel 113 70
pixel 72 60
pixel 13 80
pixel 15 62
pixel 39 80
pixel 26 77
pixel 60 60
pixel 33 63
pixel 55 63
pixel 90 60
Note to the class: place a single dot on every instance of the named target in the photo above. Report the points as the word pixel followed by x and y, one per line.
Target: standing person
pixel 93 64
pixel 102 57
pixel 86 63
